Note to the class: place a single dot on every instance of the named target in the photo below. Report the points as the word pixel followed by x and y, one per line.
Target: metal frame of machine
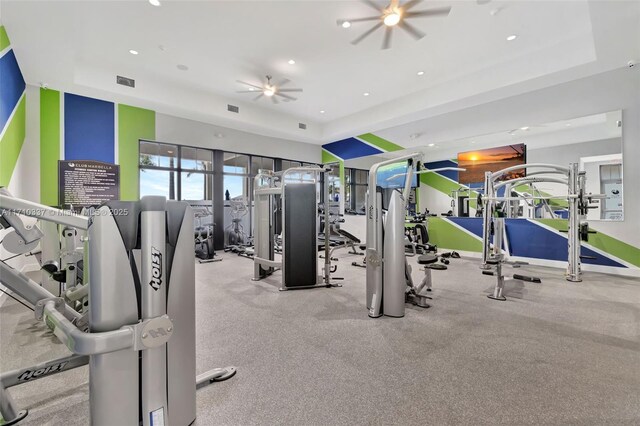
pixel 141 341
pixel 579 203
pixel 271 188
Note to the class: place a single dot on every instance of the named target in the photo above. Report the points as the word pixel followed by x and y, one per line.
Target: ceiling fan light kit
pixel 270 90
pixel 392 16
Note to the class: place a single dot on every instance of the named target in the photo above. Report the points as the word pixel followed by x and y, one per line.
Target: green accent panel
pixel 445 186
pixel 4 38
pixel 446 235
pixel 12 141
pixel 49 146
pixel 133 124
pixel 328 157
pixel 601 241
pixel 381 143
pixel 553 203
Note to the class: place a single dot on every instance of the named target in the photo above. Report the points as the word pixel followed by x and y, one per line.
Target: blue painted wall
pixel 89 129
pixel 12 86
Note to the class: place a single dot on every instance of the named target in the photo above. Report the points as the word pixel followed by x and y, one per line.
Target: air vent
pixel 233 108
pixel 129 82
pixel 302 126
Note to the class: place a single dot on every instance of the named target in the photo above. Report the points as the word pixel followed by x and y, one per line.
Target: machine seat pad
pixel 348 236
pixel 427 259
pixel 437 266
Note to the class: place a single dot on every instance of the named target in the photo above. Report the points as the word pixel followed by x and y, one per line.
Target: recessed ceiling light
pixel 292 62
pixel 321 111
pixel 346 24
pixel 252 88
pixel 133 52
pixel 365 94
pixel 568 124
pixel 473 141
pixel 182 67
pixel 431 144
pixel 524 128
pixel 512 37
pixel 169 151
pixel 420 72
pixel 155 2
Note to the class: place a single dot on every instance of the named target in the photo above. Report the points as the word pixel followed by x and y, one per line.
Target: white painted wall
pixel 194 133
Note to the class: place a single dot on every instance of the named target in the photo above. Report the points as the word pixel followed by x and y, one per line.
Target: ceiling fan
pixel 394 15
pixel 270 90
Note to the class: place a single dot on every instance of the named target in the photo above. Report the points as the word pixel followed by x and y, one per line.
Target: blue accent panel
pixel 12 86
pixel 471 224
pixel 528 239
pixel 351 148
pixel 89 129
pixel 478 186
pixel 451 174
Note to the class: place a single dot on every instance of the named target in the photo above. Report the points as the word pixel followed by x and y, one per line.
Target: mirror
pixel 594 142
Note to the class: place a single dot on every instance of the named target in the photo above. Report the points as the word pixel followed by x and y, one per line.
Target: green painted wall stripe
pixel 328 157
pixel 446 235
pixel 4 38
pixel 49 146
pixel 133 124
pixel 381 143
pixel 12 141
pixel 601 241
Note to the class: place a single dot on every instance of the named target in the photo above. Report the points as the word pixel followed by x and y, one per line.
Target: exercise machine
pixel 493 216
pixel 389 283
pixel 203 234
pixel 140 344
pixel 293 206
pixel 235 235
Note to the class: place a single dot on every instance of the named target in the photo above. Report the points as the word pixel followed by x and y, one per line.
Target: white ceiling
pixel 80 46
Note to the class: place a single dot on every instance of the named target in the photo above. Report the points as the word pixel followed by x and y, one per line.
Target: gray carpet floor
pixel 553 353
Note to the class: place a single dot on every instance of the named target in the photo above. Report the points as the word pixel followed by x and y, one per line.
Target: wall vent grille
pixel 124 81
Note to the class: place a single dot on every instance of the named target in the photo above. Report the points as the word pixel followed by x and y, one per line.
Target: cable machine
pixel 290 206
pixel 579 203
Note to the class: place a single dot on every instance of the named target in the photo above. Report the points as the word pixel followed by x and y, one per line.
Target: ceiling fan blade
pixel 442 11
pixel 411 3
pixel 274 100
pixel 373 5
pixel 368 33
pixel 386 41
pixel 415 33
pixel 283 82
pixel 258 97
pixel 289 90
pixel 368 18
pixel 249 84
pixel 286 96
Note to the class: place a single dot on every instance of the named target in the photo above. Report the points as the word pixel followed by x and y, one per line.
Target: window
pixel 196 159
pixel 359 188
pixel 176 172
pixel 260 163
pixel 236 163
pixel 158 165
pixel 158 154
